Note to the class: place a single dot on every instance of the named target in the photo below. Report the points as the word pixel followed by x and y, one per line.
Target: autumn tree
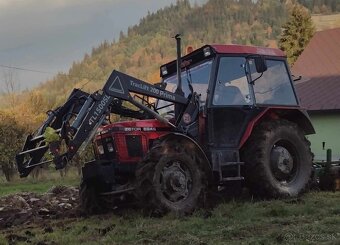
pixel 297 32
pixel 11 86
pixel 11 139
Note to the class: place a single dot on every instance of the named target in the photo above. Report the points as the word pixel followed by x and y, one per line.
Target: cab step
pixel 227 179
pixel 230 171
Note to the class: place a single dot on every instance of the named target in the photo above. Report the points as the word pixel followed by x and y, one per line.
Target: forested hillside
pixel 321 6
pixel 145 46
pixel 149 44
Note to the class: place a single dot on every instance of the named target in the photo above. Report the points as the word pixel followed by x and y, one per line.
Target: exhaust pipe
pixel 179 89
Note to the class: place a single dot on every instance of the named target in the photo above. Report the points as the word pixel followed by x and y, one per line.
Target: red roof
pixel 321 93
pixel 319 64
pixel 242 49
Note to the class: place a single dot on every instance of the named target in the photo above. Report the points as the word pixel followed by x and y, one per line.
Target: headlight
pixel 100 149
pixel 206 51
pixel 164 71
pixel 110 147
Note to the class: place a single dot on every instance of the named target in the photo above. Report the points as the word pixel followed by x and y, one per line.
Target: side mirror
pixel 260 64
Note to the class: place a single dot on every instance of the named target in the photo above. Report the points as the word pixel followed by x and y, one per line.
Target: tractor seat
pixel 229 95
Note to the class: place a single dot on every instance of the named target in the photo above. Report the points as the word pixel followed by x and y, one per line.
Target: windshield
pixel 198 75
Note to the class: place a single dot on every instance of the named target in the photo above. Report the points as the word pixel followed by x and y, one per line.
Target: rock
pixel 65 205
pixel 57 189
pixel 16 201
pixel 33 199
pixel 44 211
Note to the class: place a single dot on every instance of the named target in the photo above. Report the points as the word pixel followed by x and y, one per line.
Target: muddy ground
pixel 29 208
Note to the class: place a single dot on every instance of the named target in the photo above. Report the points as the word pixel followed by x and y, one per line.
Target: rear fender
pixel 191 145
pixel 300 117
pixel 295 115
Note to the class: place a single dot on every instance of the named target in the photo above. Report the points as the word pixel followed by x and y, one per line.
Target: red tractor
pixel 222 114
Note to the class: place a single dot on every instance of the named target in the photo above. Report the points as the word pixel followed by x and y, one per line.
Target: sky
pixel 48 35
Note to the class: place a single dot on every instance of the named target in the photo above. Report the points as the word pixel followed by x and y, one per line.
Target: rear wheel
pixel 278 160
pixel 169 181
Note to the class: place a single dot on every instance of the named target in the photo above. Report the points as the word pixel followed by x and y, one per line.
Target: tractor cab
pixel 234 75
pixel 238 87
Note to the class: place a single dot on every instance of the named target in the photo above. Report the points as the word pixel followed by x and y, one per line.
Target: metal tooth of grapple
pixel 31 155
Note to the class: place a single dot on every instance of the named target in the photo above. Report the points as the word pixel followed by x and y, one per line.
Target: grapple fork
pixel 35 147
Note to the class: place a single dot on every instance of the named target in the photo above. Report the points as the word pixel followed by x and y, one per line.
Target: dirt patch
pixel 26 208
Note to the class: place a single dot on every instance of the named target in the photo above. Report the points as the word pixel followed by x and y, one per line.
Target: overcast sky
pixel 48 35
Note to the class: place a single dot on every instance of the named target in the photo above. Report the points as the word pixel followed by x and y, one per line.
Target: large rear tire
pixel 170 180
pixel 278 160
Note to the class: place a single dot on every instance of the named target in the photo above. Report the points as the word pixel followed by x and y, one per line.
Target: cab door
pixel 229 110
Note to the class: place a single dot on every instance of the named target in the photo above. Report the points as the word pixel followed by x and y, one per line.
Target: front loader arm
pixel 78 119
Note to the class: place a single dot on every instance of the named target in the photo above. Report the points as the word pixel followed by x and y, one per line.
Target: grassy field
pixel 40 185
pixel 324 22
pixel 312 219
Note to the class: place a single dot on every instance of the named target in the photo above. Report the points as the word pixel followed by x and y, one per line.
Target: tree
pixel 10 81
pixel 11 139
pixel 296 33
pixel 11 86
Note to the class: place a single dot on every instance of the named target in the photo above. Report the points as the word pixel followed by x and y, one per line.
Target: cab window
pixel 274 86
pixel 232 87
pixel 198 75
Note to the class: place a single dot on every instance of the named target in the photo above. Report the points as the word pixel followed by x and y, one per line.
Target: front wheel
pixel 278 160
pixel 171 182
pixel 90 200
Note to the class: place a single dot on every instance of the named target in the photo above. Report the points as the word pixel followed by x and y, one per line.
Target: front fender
pixel 187 142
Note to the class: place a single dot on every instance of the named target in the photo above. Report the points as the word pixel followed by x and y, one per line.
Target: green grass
pixel 313 219
pixel 40 185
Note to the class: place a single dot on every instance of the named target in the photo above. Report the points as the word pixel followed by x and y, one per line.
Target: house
pixel 319 90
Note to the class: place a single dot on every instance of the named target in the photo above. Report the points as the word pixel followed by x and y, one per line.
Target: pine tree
pixel 296 33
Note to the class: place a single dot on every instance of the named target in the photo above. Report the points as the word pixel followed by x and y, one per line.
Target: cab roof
pixel 198 54
pixel 243 49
